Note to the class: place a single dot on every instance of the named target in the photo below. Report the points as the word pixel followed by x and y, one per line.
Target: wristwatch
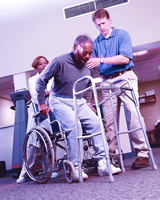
pixel 101 61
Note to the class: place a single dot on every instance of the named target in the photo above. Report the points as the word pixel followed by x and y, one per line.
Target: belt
pixel 116 74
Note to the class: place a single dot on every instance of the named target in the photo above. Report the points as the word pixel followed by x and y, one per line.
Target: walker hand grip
pixel 117 81
pixel 82 79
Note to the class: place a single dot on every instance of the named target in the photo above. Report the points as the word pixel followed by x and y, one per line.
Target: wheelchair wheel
pixel 38 155
pixel 69 171
pixel 115 160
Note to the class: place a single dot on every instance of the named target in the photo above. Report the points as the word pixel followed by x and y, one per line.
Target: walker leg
pixel 149 150
pixel 122 164
pixel 145 135
pixel 79 164
pixel 111 178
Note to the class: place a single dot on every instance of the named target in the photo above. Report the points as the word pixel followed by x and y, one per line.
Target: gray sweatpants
pixel 63 109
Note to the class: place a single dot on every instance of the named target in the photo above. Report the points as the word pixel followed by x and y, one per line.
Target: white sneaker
pixel 84 175
pixel 103 170
pixel 21 180
pixel 54 175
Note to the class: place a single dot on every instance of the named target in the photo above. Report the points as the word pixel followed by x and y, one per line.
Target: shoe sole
pixel 84 178
pixel 103 174
pixel 141 166
pixel 22 181
pixel 117 172
pixel 77 179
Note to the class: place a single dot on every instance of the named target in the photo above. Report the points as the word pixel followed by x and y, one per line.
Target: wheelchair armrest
pixel 36 115
pixel 29 102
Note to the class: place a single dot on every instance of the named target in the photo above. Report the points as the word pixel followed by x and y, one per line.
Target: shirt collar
pixel 101 37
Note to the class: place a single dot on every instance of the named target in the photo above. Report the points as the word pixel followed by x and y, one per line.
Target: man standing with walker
pixel 66 70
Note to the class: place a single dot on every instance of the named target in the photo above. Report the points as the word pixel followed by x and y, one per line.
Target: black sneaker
pixel 140 162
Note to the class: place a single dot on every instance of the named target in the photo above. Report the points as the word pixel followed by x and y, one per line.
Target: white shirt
pixel 32 86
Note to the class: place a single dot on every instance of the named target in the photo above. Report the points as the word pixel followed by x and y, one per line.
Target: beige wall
pixel 150 113
pixel 6 145
pixel 6 114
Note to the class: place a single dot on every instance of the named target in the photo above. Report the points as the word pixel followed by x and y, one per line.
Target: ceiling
pixel 146 67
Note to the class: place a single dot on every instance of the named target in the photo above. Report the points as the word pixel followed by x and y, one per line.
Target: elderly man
pixel 66 70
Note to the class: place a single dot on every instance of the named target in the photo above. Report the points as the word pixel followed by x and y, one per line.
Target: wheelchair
pixel 39 150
